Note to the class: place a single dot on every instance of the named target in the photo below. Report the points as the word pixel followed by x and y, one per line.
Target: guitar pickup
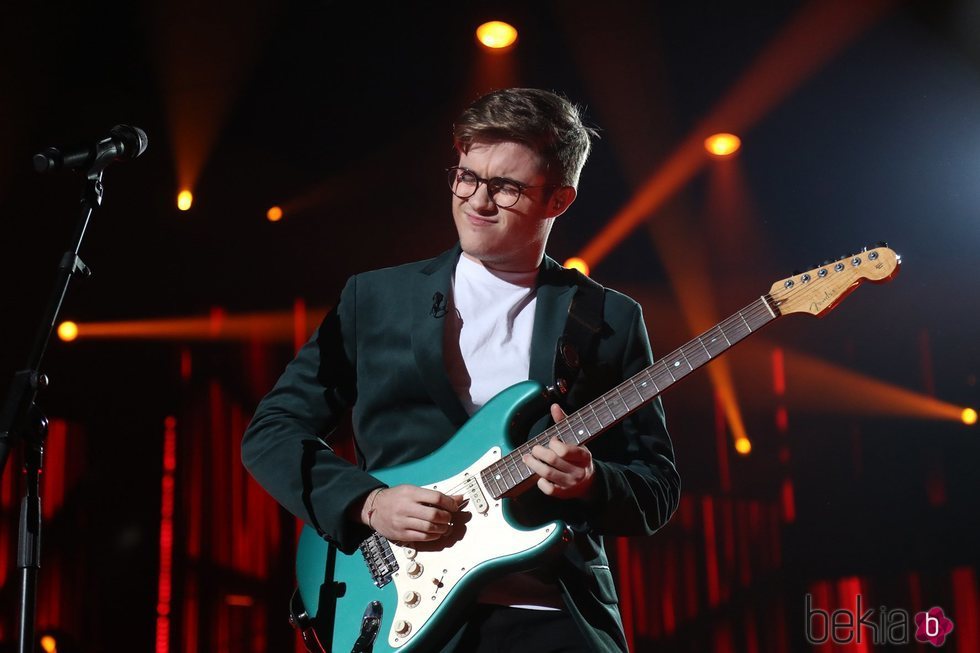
pixel 473 494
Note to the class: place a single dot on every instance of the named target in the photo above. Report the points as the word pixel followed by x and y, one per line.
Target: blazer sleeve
pixel 284 445
pixel 636 487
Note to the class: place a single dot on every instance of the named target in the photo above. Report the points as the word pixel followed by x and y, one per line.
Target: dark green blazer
pixel 379 352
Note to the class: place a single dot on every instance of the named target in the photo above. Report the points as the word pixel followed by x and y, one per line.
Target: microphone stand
pixel 23 423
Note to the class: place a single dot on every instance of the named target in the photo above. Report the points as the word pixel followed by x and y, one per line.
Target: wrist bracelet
pixel 374 500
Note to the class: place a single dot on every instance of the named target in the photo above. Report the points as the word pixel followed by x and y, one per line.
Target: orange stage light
pixel 274 214
pixel 576 263
pixel 270 327
pixel 496 35
pixel 184 200
pixel 969 416
pixel 49 644
pixel 722 144
pixel 67 331
pixel 743 446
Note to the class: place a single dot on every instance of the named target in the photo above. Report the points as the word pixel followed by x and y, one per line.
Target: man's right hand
pixel 408 513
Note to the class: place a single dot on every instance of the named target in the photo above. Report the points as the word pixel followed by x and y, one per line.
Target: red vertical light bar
pixel 186 364
pixel 221 540
pixel 710 549
pixel 690 580
pixel 639 596
pixel 915 591
pixel 686 513
pixel 820 591
pixel 778 372
pixel 625 587
pixel 721 444
pixel 782 420
pixel 216 321
pixel 848 589
pixel 190 625
pixel 300 334
pixel 724 641
pixel 669 588
pixel 53 478
pixel 788 501
pixel 966 609
pixel 744 545
pixel 165 578
pixel 776 542
pixel 243 543
pixel 726 510
pixel 7 534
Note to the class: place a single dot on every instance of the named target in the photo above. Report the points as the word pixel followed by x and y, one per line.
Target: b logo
pixel 932 626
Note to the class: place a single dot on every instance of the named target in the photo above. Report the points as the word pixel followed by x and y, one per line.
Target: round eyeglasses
pixel 503 192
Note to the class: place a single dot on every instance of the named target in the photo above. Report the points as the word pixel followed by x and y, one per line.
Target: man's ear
pixel 560 200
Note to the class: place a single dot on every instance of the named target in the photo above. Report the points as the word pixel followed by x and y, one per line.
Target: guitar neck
pixel 510 476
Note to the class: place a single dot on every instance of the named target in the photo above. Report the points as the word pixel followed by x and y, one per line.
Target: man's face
pixel 509 239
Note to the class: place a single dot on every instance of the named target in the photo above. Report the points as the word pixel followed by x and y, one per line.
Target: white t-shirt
pixel 487 348
pixel 487 337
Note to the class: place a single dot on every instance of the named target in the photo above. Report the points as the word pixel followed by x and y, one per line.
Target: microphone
pixel 123 143
pixel 439 305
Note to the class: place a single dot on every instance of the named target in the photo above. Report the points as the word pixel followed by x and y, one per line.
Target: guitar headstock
pixel 820 289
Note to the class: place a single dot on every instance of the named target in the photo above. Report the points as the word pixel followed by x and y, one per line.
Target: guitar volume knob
pixel 402 627
pixel 411 599
pixel 414 569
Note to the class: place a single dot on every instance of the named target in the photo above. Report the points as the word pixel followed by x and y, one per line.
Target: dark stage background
pixel 859 123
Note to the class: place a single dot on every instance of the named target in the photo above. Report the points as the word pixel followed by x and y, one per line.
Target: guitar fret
pixel 583 433
pixel 701 342
pixel 691 367
pixel 597 420
pixel 620 394
pixel 746 323
pixel 637 391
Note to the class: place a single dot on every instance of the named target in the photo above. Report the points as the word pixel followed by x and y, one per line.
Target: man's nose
pixel 481 200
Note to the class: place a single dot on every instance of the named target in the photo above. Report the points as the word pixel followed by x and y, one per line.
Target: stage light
pixel 274 214
pixel 743 446
pixel 723 144
pixel 579 264
pixel 49 644
pixel 67 331
pixel 496 35
pixel 184 200
pixel 969 416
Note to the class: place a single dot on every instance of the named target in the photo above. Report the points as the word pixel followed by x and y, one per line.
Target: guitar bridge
pixel 379 558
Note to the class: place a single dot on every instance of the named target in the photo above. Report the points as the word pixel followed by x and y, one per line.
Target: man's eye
pixel 508 190
pixel 466 178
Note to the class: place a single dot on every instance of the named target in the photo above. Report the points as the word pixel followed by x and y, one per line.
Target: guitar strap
pixel 581 328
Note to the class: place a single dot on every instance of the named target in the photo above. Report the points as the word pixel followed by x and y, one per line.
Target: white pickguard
pixel 487 536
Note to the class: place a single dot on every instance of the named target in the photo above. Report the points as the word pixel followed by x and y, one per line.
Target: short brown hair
pixel 544 121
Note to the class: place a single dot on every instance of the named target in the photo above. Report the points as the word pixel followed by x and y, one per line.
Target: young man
pixel 417 349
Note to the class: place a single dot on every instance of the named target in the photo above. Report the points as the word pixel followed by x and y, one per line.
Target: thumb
pixel 557 413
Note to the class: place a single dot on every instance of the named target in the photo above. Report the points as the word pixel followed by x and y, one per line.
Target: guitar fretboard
pixel 505 475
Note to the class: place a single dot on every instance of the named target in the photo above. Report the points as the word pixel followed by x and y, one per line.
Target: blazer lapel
pixel 431 287
pixel 555 293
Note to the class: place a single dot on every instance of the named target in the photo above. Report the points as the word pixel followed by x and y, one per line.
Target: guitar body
pixel 423 590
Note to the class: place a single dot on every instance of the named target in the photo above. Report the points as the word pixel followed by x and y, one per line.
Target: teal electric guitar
pixel 388 597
